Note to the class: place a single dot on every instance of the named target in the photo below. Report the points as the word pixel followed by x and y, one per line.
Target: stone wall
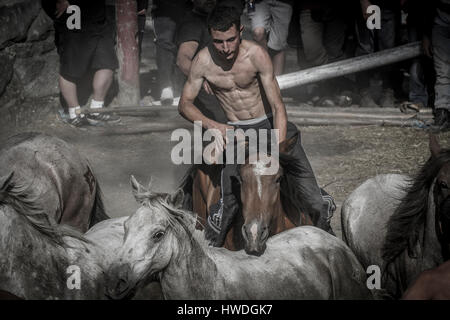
pixel 28 60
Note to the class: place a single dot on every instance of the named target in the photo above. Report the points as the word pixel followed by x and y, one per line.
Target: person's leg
pixel 386 40
pixel 334 38
pixel 441 55
pixel 101 83
pixel 309 191
pixel 417 89
pixel 365 45
pixel 69 91
pixel 281 16
pixel 260 20
pixel 312 35
pixel 166 49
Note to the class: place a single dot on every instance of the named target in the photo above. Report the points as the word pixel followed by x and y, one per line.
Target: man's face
pixel 226 43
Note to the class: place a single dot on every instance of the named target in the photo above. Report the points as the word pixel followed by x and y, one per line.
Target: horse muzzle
pixel 119 286
pixel 255 235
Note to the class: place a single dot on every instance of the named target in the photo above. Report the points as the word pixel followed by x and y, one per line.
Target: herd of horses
pixel 52 222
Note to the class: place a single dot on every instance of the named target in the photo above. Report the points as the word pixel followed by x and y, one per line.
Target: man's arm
pixel 191 89
pixel 262 62
pixel 186 52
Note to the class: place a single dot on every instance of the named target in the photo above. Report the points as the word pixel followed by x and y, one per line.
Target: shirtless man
pixel 235 69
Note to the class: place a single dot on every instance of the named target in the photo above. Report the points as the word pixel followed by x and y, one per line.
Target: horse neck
pixel 279 217
pixel 190 274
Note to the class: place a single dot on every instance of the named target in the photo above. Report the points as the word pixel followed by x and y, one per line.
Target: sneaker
pixel 388 99
pixel 167 96
pixel 77 121
pixel 95 119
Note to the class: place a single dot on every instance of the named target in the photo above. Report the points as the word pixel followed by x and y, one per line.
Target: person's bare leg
pixel 278 60
pixel 259 35
pixel 102 81
pixel 69 92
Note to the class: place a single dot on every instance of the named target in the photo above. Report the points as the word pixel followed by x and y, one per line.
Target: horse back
pixel 58 179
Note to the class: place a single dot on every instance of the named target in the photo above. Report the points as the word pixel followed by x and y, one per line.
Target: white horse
pixel 40 259
pixel 161 240
pixel 401 224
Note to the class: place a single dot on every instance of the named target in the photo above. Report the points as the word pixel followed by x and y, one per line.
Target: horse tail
pixel 98 212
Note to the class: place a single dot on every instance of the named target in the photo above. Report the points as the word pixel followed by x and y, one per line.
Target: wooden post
pixel 127 52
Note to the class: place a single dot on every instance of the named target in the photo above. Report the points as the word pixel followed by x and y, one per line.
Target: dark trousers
pixel 370 41
pixel 166 50
pixel 308 190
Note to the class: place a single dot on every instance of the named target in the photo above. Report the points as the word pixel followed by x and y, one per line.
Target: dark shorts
pixel 81 51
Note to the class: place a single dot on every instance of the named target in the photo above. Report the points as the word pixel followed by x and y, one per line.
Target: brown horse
pixel 433 284
pixel 54 177
pixel 269 203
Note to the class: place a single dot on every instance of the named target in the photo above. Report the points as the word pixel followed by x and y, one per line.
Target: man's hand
pixel 223 129
pixel 61 7
pixel 364 5
pixel 427 47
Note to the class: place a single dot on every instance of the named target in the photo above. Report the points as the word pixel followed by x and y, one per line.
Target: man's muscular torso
pixel 237 89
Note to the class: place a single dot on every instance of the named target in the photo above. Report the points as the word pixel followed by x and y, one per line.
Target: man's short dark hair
pixel 222 18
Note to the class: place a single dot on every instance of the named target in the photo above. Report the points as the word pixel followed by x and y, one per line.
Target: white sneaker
pixel 167 96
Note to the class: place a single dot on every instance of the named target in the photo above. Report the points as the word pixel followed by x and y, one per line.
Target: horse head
pixel 149 241
pixel 441 193
pixel 261 177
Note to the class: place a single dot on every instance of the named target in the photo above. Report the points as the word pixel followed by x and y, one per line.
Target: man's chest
pixel 240 77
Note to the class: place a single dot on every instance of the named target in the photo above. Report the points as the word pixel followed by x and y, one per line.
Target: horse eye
pixel 443 185
pixel 157 236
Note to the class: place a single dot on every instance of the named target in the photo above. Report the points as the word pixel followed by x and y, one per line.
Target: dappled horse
pixel 269 202
pixel 53 176
pixel 401 224
pixel 43 260
pixel 161 241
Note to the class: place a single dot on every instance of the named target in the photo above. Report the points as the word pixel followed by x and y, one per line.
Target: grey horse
pixel 40 259
pixel 161 241
pixel 401 224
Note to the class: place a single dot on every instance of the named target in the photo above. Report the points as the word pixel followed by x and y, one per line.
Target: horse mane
pixel 403 226
pixel 24 202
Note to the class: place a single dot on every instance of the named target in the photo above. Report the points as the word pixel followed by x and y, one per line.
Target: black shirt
pixel 194 28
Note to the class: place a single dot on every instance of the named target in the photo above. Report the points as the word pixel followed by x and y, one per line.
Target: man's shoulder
pixel 203 57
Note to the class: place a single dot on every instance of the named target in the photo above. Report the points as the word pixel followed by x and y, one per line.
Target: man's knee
pixel 259 34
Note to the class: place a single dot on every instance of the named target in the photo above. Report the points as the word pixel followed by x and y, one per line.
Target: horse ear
pixel 5 181
pixel 287 145
pixel 435 148
pixel 136 188
pixel 177 199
